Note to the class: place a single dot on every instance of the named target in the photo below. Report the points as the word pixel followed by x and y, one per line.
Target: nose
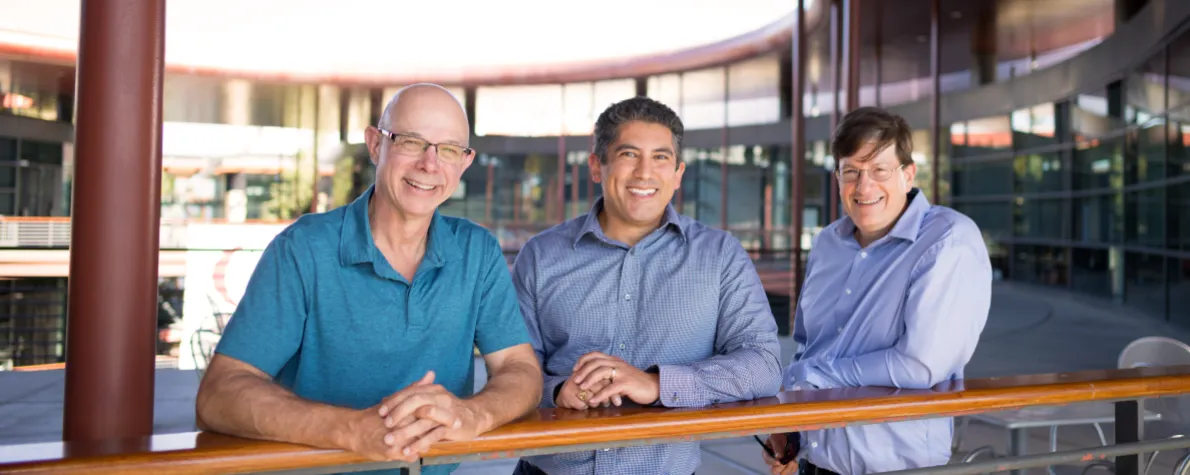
pixel 864 182
pixel 428 160
pixel 644 169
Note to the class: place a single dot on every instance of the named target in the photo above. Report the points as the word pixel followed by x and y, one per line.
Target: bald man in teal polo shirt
pixel 356 329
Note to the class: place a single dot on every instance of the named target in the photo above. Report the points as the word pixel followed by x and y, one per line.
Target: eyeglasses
pixel 851 175
pixel 410 145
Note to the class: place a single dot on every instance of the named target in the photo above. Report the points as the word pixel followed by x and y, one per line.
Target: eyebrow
pixel 626 146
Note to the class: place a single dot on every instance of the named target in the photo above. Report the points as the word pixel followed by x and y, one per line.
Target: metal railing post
pixel 1129 428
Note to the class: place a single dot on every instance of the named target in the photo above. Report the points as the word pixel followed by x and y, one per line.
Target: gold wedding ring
pixel 583 395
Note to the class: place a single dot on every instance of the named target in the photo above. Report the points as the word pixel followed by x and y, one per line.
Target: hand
pixel 776 442
pixel 367 435
pixel 622 379
pixel 425 413
pixel 572 397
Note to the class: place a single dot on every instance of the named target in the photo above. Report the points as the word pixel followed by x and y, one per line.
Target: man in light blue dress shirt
pixel 896 294
pixel 634 303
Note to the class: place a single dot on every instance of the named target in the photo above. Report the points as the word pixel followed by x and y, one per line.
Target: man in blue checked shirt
pixel 634 303
pixel 896 294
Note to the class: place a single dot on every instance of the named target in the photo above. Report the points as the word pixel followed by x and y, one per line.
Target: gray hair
pixel 607 127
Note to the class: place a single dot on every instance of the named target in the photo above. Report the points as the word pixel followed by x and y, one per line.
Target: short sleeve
pixel 267 327
pixel 499 324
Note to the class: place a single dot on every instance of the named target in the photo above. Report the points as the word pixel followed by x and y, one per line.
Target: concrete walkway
pixel 1030 330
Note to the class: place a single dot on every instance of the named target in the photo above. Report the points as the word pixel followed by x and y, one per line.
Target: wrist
pixel 481 419
pixel 654 376
pixel 342 433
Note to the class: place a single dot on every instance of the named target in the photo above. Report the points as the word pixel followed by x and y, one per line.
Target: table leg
pixel 1018 440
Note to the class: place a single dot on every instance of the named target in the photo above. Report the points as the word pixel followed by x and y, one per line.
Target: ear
pixel 909 173
pixel 372 139
pixel 678 175
pixel 595 167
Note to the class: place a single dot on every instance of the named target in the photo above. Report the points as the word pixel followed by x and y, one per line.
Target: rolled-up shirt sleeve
pixel 746 364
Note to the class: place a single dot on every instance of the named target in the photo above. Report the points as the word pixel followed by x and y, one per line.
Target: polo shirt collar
pixel 356 245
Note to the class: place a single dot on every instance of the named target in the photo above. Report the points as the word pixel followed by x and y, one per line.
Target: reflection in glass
pixel 1040 265
pixel 1091 272
pixel 1179 291
pixel 1038 173
pixel 1099 218
pixel 1145 217
pixel 1098 163
pixel 979 179
pixel 1046 218
pixel 1144 282
pixel 1033 126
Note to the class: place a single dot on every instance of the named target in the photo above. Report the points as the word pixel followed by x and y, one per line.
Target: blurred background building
pixel 1065 141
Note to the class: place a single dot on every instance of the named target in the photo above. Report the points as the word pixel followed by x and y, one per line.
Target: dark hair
pixel 640 108
pixel 872 125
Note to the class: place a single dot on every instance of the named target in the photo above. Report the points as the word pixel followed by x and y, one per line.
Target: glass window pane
pixel 987 178
pixel 1098 164
pixel 1144 282
pixel 1033 126
pixel 1091 272
pixel 702 99
pixel 1098 218
pixel 1041 218
pixel 1040 265
pixel 754 95
pixel 1145 218
pixel 1179 291
pixel 1039 173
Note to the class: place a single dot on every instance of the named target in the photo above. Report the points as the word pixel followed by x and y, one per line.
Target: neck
pixel 626 233
pixel 396 231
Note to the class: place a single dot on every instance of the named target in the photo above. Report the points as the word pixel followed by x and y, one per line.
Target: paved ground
pixel 1030 330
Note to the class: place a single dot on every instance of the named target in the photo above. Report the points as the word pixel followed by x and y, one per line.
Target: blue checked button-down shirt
pixel 686 298
pixel 905 312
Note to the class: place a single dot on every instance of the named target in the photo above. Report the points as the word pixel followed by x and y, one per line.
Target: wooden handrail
pixel 800 410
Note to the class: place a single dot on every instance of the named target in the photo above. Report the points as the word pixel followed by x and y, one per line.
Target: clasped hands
pixel 405 424
pixel 603 380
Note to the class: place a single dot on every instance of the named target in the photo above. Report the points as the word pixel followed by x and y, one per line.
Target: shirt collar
pixel 356 245
pixel 670 220
pixel 907 226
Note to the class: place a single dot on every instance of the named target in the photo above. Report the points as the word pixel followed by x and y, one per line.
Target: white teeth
pixel 419 185
pixel 642 192
pixel 862 202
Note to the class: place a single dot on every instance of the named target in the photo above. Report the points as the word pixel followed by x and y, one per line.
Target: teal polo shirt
pixel 327 317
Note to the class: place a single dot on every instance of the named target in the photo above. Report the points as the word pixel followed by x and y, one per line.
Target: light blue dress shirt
pixel 905 312
pixel 685 298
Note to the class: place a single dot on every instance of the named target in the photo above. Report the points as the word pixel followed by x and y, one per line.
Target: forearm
pixel 504 398
pixel 748 373
pixel 890 367
pixel 249 406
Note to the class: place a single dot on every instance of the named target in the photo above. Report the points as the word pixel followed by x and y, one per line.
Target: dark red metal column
pixel 111 329
pixel 935 98
pixel 878 48
pixel 852 27
pixel 797 154
pixel 836 54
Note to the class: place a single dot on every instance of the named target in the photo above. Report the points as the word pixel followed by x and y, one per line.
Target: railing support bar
pixel 1053 458
pixel 1129 428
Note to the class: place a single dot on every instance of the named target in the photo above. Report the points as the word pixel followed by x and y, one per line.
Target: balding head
pixel 420 99
pixel 414 172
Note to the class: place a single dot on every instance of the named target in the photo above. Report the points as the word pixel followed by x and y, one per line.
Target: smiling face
pixel 420 150
pixel 874 192
pixel 640 175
